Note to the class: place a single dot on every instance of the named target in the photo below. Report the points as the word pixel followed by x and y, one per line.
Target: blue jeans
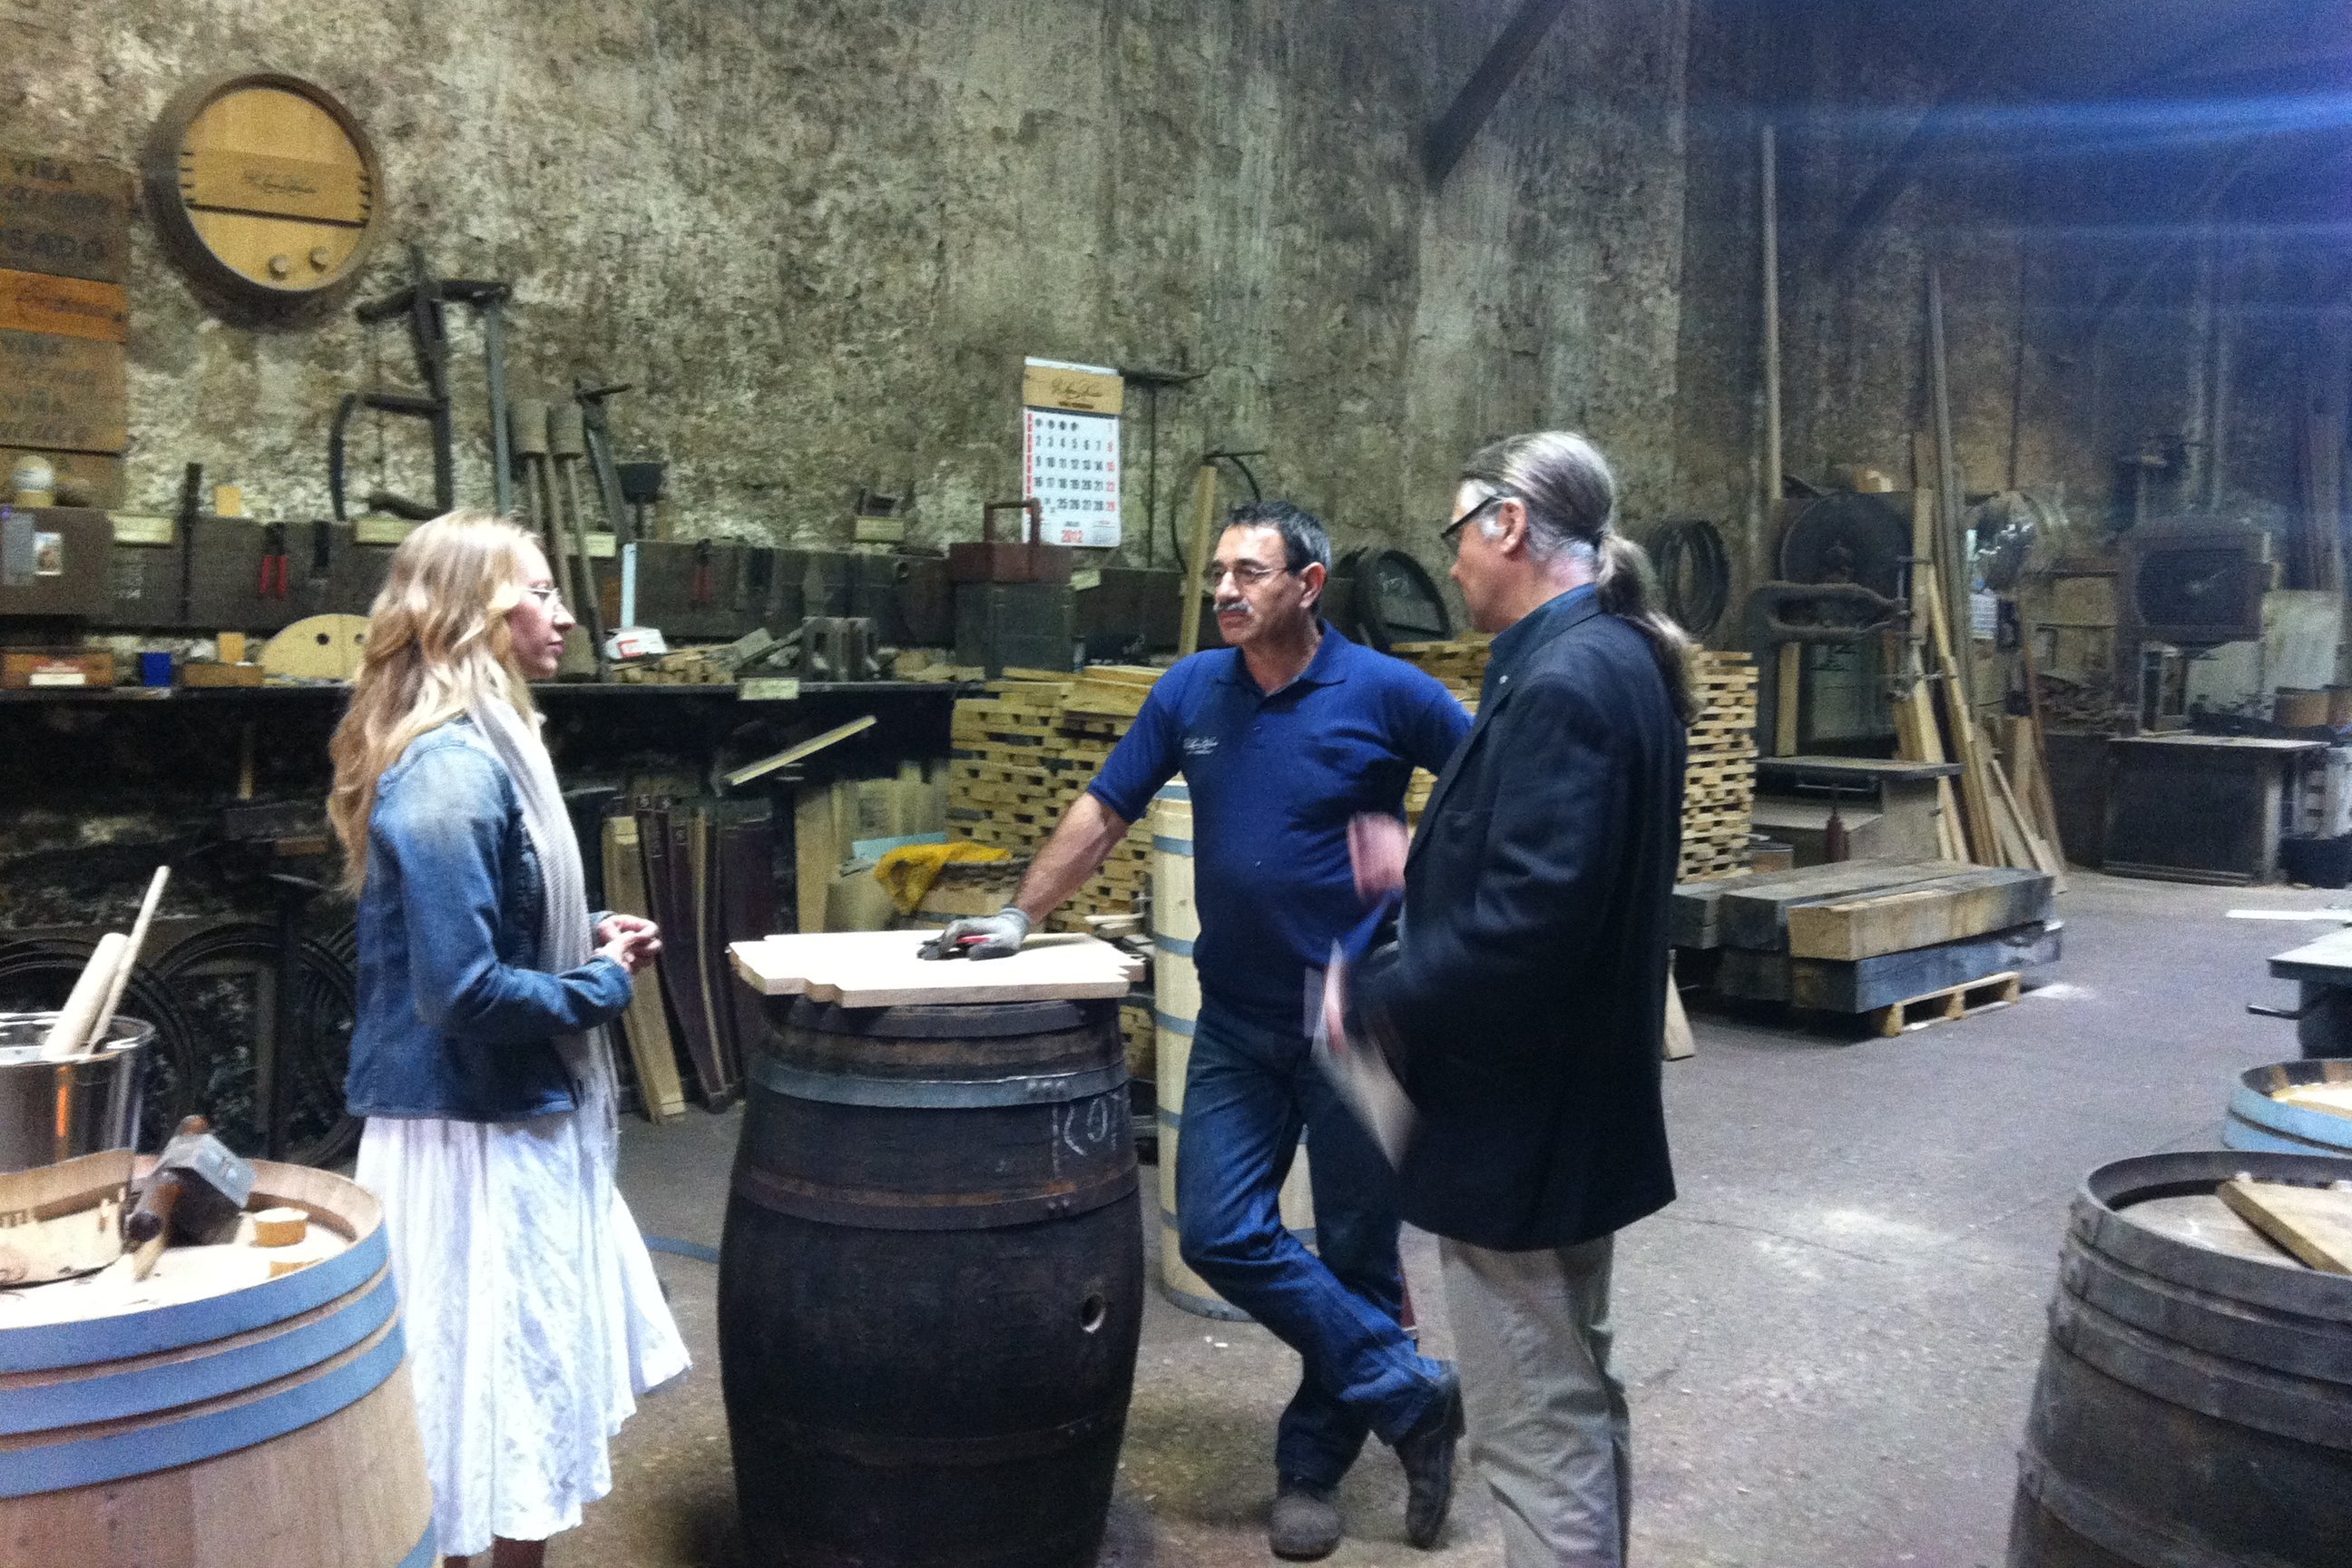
pixel 1249 1093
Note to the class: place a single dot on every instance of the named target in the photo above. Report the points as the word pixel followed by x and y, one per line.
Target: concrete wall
pixel 2083 317
pixel 819 238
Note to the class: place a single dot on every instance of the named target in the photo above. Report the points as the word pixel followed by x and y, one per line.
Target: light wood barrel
pixel 1176 990
pixel 269 1425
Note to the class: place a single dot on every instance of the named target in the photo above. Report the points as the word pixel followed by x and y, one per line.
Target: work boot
pixel 1305 1524
pixel 1427 1454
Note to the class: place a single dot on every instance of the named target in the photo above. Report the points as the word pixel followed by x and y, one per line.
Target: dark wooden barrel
pixel 2195 1402
pixel 931 1285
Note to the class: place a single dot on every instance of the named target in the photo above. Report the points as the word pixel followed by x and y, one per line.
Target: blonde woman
pixel 479 1058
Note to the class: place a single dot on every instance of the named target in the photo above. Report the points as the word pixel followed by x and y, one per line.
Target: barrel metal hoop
pixel 1173 1023
pixel 2212 1385
pixel 871 1210
pixel 426 1551
pixel 1302 1233
pixel 49 1346
pixel 1179 946
pixel 2108 1528
pixel 1202 1306
pixel 60 1466
pixel 897 1453
pixel 934 1094
pixel 2225 1326
pixel 2239 1133
pixel 950 1021
pixel 141 1390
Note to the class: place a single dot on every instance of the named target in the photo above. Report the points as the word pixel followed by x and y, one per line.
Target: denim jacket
pixel 452 1020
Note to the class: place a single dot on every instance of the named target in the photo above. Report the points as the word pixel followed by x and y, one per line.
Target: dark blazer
pixel 1525 999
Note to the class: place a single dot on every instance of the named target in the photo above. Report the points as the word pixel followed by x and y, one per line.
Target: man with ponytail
pixel 1523 1005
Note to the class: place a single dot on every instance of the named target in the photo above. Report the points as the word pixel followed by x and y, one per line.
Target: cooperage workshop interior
pixel 1017 783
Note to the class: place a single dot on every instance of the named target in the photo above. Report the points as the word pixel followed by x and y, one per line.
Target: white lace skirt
pixel 533 1315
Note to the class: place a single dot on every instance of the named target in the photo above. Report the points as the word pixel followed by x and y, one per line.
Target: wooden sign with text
pixel 63 394
pixel 63 216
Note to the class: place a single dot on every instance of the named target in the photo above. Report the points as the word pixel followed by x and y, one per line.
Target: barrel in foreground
pixel 930 1286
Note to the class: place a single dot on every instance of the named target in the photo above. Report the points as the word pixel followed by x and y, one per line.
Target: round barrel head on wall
pixel 263 187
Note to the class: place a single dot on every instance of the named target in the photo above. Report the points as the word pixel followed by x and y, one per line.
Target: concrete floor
pixel 1830 1339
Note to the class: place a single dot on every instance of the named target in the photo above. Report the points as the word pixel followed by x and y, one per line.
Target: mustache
pixel 1232 606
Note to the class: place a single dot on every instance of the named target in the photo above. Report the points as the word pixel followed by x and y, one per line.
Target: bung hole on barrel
pixel 1092 1314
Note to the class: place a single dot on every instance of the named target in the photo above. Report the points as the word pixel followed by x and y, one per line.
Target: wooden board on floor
pixel 1828 985
pixel 880 968
pixel 1695 910
pixel 644 1026
pixel 1967 903
pixel 1754 914
pixel 2313 1222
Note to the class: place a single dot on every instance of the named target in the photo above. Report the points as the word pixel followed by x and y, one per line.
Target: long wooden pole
pixel 1771 202
pixel 1196 561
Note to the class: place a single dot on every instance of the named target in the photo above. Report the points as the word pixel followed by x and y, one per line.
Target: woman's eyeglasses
pixel 548 594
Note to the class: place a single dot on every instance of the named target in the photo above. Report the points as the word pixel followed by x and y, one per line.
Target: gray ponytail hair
pixel 1571 500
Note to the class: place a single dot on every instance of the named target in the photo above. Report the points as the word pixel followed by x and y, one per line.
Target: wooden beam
pixel 1455 131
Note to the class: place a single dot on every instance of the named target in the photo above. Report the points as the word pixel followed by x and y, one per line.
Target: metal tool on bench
pixel 195 1193
pixel 838 647
pixel 596 427
pixel 641 487
pixel 567 447
pixel 423 303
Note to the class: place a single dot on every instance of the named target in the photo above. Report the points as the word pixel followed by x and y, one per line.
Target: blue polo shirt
pixel 1274 780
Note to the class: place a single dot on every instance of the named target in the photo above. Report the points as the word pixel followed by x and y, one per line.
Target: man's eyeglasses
pixel 1452 532
pixel 1248 573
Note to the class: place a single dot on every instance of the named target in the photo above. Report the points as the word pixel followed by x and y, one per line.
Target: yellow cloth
pixel 909 870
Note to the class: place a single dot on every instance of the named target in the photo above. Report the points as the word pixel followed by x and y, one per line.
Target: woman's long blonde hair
pixel 438 644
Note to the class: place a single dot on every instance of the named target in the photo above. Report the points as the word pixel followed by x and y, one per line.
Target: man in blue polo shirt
pixel 1283 737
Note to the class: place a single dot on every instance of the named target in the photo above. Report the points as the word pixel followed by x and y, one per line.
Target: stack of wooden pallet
pixel 1880 938
pixel 1719 782
pixel 1719 776
pixel 1025 753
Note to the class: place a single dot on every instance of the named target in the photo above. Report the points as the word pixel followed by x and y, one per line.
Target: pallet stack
pixel 1025 753
pixel 1880 939
pixel 1718 780
pixel 1719 776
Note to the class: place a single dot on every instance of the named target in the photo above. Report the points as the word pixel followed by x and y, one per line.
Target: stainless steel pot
pixel 51 1112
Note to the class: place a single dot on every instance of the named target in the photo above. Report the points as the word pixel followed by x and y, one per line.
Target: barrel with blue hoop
pixel 931 1289
pixel 171 1424
pixel 1176 1008
pixel 2264 1114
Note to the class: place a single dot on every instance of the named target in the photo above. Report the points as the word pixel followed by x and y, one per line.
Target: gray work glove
pixel 1002 933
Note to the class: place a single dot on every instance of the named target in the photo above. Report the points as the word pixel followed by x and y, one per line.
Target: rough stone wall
pixel 819 238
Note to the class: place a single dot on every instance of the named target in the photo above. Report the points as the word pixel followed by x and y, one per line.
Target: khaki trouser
pixel 1547 1423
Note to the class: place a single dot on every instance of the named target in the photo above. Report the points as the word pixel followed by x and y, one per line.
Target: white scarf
pixel 565 941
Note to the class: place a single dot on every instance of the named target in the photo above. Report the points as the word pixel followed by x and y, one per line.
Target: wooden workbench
pixel 2199 808
pixel 1888 807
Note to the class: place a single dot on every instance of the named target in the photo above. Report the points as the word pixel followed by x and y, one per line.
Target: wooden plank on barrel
pixel 881 969
pixel 66 216
pixel 1968 903
pixel 70 394
pixel 2313 1222
pixel 1754 914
